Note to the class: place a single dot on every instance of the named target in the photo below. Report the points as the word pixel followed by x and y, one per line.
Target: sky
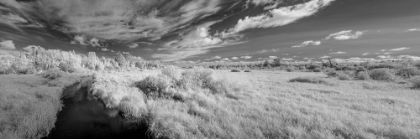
pixel 217 30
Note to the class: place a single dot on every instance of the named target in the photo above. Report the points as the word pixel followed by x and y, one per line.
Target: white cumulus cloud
pixel 281 16
pixel 345 35
pixel 400 49
pixel 412 30
pixel 339 52
pixel 7 45
pixel 246 57
pixel 133 45
pixel 307 43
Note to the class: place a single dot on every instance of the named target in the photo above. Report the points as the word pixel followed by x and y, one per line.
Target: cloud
pixel 246 57
pixel 214 58
pixel 365 54
pixel 94 42
pixel 307 43
pixel 384 56
pixel 226 59
pixel 7 45
pixel 273 57
pixel 400 49
pixel 115 19
pixel 339 52
pixel 266 51
pixel 133 45
pixel 413 30
pixel 83 40
pixel 409 57
pixel 105 49
pixel 195 42
pixel 234 58
pixel 79 39
pixel 345 35
pixel 287 59
pixel 31 48
pixel 281 16
pixel 324 57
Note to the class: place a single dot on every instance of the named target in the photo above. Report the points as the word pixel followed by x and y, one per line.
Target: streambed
pixel 84 117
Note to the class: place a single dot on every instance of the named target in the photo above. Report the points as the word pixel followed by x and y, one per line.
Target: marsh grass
pixel 29 104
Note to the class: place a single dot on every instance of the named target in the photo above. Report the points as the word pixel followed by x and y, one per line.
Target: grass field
pixel 29 105
pixel 265 104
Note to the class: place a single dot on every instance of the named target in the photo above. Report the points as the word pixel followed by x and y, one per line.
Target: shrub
pixel 364 75
pixel 173 72
pixel 332 73
pixel 289 70
pixel 313 67
pixel 247 71
pixel 416 82
pixel 381 74
pixel 408 72
pixel 235 70
pixel 155 87
pixel 313 80
pixel 67 67
pixel 382 66
pixel 417 65
pixel 350 68
pixel 52 74
pixel 344 76
pixel 317 70
pixel 4 70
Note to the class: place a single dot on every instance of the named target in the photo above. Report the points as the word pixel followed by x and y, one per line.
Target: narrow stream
pixel 84 118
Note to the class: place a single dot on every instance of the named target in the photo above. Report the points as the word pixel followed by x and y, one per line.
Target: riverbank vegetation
pixel 29 103
pixel 284 100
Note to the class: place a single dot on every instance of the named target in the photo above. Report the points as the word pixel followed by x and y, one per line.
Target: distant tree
pixel 121 60
pixel 276 62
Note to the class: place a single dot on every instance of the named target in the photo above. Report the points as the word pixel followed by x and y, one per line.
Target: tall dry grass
pixel 29 104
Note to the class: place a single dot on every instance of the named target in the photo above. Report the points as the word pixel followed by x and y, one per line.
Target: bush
pixel 313 67
pixel 416 82
pixel 344 76
pixel 317 70
pixel 417 65
pixel 247 71
pixel 155 87
pixel 383 66
pixel 4 70
pixel 332 73
pixel 173 72
pixel 289 70
pixel 235 70
pixel 364 75
pixel 381 74
pixel 350 68
pixel 313 80
pixel 408 72
pixel 67 67
pixel 52 74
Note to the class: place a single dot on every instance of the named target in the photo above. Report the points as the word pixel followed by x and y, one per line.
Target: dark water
pixel 83 117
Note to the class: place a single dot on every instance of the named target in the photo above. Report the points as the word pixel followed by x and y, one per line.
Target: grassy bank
pixel 200 103
pixel 29 104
